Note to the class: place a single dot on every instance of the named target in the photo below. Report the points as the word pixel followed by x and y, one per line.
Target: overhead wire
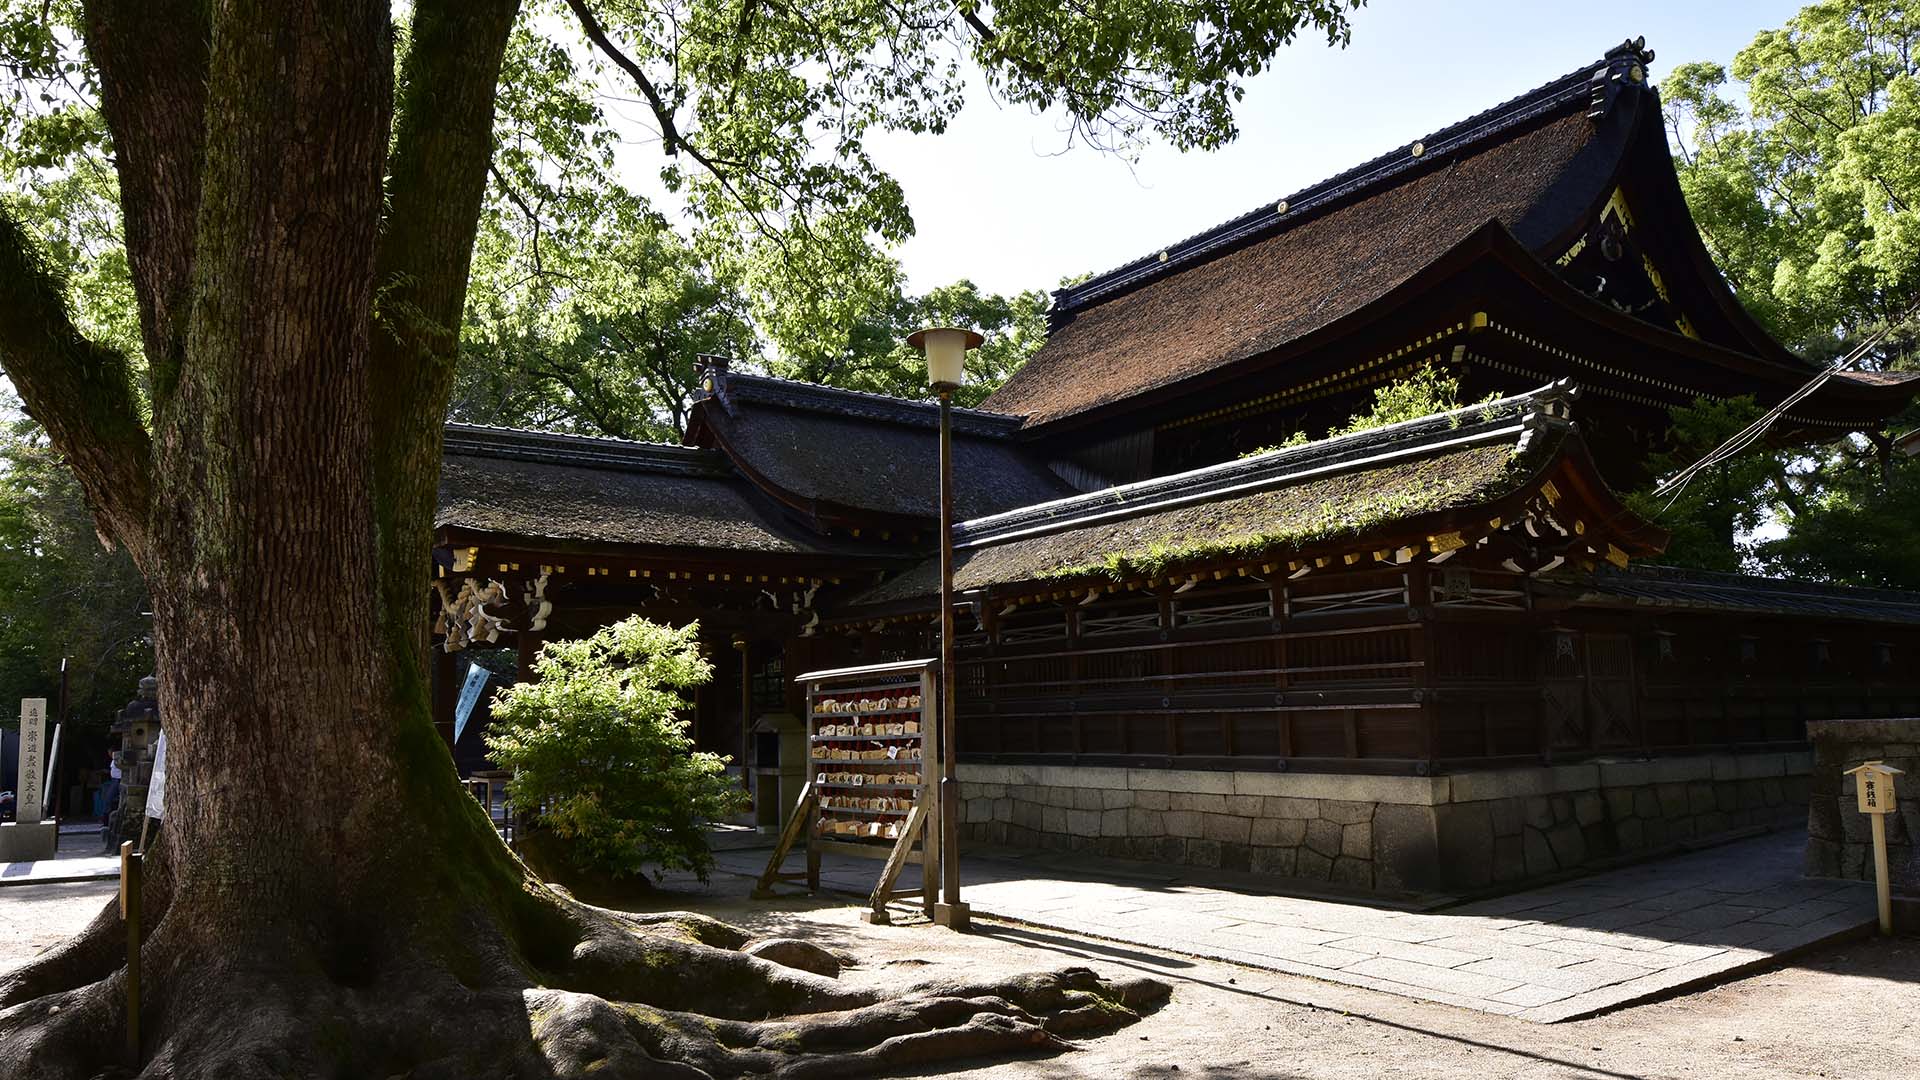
pixel 1675 485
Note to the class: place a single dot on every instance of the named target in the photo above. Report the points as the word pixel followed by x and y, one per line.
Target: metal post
pixel 949 912
pixel 53 771
pixel 53 766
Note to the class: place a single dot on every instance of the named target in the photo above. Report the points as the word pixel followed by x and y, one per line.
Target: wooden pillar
pixel 444 694
pixel 746 709
pixel 528 644
pixel 1282 658
pixel 1426 651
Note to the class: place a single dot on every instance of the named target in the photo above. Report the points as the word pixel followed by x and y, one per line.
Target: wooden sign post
pixel 1874 795
pixel 130 912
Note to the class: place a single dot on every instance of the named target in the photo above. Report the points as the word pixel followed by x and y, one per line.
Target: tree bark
pixel 443 145
pixel 153 56
pixel 262 588
pixel 80 391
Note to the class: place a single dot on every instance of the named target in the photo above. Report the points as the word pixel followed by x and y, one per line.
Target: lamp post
pixel 946 351
pixel 746 714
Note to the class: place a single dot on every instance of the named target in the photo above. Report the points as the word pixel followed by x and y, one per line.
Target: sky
pixel 996 201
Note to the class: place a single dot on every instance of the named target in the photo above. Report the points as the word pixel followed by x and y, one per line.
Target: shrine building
pixel 1428 656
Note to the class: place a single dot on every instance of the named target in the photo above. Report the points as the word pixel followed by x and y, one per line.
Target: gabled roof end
pixel 720 384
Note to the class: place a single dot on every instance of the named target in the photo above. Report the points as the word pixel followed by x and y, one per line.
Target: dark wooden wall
pixel 1405 669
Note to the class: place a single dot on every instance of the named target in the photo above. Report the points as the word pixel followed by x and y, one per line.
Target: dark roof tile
pixel 540 486
pixel 1645 585
pixel 840 454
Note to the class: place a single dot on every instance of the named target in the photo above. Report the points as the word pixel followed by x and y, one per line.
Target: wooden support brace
pixel 796 825
pixel 883 891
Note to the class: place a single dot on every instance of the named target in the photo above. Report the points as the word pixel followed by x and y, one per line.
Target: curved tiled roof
pixel 838 455
pixel 1670 587
pixel 1323 265
pixel 1346 486
pixel 541 486
pixel 1589 88
pixel 1535 166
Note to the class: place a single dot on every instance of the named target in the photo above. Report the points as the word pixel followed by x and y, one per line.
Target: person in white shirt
pixel 110 795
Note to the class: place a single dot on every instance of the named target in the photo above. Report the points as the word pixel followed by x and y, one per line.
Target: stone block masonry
pixel 1459 833
pixel 1839 837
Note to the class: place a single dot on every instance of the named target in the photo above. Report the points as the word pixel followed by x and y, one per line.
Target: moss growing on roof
pixel 1348 504
pixel 1310 510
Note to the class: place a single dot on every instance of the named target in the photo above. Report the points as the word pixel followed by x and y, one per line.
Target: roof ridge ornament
pixel 711 370
pixel 1625 68
pixel 772 390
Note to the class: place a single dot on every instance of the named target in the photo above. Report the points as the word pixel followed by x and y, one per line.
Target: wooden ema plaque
pixel 870 752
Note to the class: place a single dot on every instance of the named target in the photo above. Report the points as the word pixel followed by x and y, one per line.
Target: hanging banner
pixel 157 784
pixel 29 792
pixel 469 696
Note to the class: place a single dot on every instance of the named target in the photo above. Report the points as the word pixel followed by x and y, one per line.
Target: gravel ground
pixel 1810 1019
pixel 33 917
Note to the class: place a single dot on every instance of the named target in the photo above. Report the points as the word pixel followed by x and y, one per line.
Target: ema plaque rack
pixel 870 752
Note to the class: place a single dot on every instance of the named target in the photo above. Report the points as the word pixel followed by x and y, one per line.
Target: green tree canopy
pixel 1713 518
pixel 62 593
pixel 1841 513
pixel 1809 195
pixel 1801 164
pixel 588 306
pixel 869 351
pixel 600 336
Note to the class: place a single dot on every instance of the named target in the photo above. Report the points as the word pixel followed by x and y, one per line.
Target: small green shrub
pixel 1427 391
pixel 601 756
pixel 1298 438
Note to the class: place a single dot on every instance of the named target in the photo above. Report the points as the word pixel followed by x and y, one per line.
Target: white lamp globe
pixel 946 350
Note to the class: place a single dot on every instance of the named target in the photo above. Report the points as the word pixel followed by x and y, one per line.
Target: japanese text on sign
pixel 33 758
pixel 1873 787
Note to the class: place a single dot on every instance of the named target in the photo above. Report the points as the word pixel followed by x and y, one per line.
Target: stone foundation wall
pixel 1839 836
pixel 1508 826
pixel 1388 833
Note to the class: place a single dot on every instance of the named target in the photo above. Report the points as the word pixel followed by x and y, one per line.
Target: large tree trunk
pixel 328 901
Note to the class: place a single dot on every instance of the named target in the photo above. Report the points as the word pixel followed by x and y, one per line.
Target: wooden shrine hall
pixel 1427 656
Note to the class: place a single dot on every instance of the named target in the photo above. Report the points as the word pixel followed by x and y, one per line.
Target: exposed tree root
pixel 665 995
pixel 95 952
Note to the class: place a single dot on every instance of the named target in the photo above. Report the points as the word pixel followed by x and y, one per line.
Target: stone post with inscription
pixel 28 838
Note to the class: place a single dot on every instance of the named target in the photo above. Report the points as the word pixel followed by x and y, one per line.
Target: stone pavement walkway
pixel 78 858
pixel 1550 954
pixel 46 871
